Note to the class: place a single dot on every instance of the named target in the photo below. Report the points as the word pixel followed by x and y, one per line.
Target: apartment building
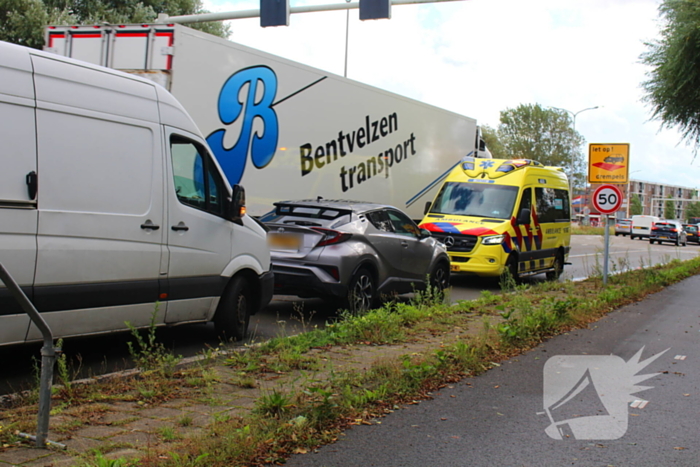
pixel 653 197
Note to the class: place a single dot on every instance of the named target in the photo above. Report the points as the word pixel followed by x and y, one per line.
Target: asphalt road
pixel 290 315
pixel 498 418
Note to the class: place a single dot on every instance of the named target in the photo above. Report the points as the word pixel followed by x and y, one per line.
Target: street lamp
pixel 347 35
pixel 574 114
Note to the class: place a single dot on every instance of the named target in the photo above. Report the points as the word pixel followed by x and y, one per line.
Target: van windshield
pixel 476 199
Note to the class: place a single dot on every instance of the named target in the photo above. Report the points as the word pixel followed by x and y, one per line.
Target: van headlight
pixel 492 240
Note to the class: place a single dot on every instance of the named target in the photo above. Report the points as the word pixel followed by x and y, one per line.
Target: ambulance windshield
pixel 476 200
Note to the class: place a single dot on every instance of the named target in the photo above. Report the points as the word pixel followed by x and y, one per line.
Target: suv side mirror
pixel 236 208
pixel 523 217
pixel 425 233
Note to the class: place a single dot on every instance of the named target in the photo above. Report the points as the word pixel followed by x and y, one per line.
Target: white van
pixel 641 226
pixel 110 201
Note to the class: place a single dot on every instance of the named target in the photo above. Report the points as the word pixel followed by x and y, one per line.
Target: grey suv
pixel 351 252
pixel 668 231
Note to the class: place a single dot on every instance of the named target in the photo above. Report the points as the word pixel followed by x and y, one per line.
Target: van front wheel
pixel 232 316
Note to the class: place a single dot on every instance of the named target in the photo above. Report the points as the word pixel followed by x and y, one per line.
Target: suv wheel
pixel 440 277
pixel 361 292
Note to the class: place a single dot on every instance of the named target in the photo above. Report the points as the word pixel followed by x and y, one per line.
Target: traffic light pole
pixel 223 16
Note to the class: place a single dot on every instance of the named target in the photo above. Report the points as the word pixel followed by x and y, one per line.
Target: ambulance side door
pixel 554 216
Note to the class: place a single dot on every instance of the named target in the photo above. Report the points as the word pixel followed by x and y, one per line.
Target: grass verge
pixel 313 398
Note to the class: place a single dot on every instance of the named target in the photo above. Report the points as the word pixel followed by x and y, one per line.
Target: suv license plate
pixel 284 241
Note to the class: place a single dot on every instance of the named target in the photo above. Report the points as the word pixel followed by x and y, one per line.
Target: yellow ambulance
pixel 495 214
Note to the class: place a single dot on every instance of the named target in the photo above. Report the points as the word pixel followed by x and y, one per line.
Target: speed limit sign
pixel 607 199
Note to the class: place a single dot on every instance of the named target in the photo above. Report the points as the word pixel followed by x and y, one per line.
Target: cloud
pixel 480 57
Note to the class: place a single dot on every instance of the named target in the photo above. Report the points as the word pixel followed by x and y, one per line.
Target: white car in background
pixel 623 227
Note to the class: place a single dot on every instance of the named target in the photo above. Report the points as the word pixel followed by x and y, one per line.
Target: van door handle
pixel 32 184
pixel 181 227
pixel 149 225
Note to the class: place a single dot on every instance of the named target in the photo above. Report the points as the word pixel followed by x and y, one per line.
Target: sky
pixel 479 57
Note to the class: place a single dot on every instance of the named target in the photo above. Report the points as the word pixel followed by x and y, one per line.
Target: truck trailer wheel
pixel 232 316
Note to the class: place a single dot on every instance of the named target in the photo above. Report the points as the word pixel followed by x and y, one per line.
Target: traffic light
pixel 375 9
pixel 274 13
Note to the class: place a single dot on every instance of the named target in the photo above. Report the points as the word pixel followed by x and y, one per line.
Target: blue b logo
pixel 262 146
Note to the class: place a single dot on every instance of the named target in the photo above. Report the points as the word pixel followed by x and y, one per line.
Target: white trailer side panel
pixel 335 137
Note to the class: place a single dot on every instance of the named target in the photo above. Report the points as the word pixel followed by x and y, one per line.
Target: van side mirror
pixel 523 217
pixel 236 209
pixel 427 207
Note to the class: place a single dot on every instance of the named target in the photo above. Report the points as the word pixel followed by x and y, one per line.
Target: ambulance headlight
pixel 492 240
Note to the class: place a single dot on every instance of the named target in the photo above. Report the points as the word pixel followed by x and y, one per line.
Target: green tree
pixel 636 207
pixel 494 144
pixel 545 135
pixel 692 209
pixel 673 85
pixel 23 21
pixel 669 209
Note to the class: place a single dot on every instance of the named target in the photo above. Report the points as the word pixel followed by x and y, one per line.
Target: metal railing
pixel 48 359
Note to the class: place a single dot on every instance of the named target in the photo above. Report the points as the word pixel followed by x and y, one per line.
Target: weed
pixel 102 461
pixel 274 403
pixel 221 417
pixel 244 381
pixel 506 281
pixel 185 421
pixel 151 355
pixel 167 433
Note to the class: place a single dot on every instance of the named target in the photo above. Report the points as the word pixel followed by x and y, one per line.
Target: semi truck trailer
pixel 282 129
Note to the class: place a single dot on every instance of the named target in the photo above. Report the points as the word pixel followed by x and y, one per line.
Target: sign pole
pixel 607 199
pixel 606 254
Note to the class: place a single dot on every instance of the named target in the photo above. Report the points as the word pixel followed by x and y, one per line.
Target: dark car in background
pixel 668 231
pixel 623 227
pixel 351 252
pixel 692 232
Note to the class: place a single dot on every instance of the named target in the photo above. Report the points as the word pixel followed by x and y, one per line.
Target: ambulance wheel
pixel 233 314
pixel 512 268
pixel 558 268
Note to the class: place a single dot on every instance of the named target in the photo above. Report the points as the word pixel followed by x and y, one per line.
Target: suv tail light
pixel 331 237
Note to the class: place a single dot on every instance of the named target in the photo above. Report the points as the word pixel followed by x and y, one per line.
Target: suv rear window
pixel 317 216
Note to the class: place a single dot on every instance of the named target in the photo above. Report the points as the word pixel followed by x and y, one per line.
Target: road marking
pixel 680 357
pixel 684 252
pixel 639 404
